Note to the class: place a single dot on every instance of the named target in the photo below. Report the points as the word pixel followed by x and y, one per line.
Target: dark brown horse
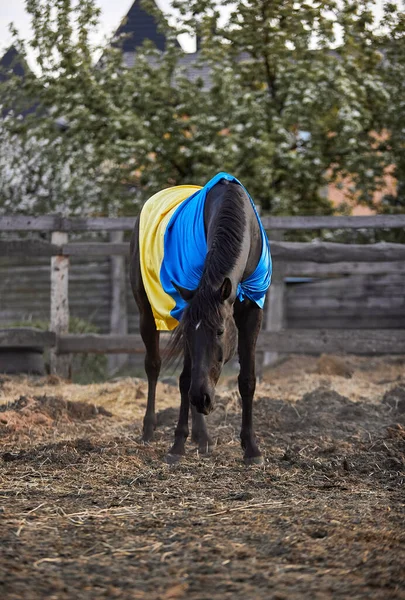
pixel 214 324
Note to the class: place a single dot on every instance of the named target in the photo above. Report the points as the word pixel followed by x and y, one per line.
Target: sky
pixel 112 13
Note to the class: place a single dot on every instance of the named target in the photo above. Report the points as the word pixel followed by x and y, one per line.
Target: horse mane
pixel 229 228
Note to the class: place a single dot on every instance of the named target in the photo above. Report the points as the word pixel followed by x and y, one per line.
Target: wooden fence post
pixel 275 314
pixel 60 364
pixel 119 314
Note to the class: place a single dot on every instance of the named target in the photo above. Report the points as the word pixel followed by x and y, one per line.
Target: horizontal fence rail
pixel 319 252
pixel 26 337
pixel 308 223
pixel 307 341
pixel 66 224
pixel 330 252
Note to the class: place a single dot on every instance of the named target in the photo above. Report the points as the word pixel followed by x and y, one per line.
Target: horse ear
pixel 225 290
pixel 187 295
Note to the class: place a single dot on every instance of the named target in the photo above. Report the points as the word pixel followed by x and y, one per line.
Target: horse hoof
pixel 206 449
pixel 253 460
pixel 147 436
pixel 146 440
pixel 172 459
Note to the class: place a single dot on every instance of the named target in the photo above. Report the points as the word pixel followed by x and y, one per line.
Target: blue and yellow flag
pixel 173 248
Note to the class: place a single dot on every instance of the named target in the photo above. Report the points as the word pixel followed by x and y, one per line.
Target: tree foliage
pixel 392 69
pixel 76 167
pixel 300 94
pixel 318 67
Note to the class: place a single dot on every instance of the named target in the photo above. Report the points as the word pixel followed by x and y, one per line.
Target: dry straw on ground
pixel 87 511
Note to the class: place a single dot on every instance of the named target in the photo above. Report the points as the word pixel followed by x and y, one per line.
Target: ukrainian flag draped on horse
pixel 173 249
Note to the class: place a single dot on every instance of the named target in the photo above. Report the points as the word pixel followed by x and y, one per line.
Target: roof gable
pixel 11 61
pixel 139 25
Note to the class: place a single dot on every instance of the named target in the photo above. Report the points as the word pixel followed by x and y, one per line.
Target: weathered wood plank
pixel 25 248
pixel 22 223
pixel 11 317
pixel 300 341
pixel 41 271
pixel 346 318
pixel 308 341
pixel 347 321
pixel 94 249
pixel 322 252
pixel 276 302
pixel 63 224
pixel 119 313
pixel 358 281
pixel 349 341
pixel 313 269
pixel 329 252
pixel 363 296
pixel 89 291
pixel 79 274
pixel 101 344
pixel 27 337
pixel 98 224
pixel 58 223
pixel 60 365
pixel 312 303
pixel 313 222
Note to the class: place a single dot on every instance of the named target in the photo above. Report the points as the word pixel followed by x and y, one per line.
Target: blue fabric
pixel 185 250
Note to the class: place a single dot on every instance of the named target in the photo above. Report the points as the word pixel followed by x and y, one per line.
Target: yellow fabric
pixel 155 216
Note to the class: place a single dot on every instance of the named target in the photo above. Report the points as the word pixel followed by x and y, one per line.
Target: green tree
pixel 50 169
pixel 302 109
pixel 129 131
pixel 82 166
pixel 392 44
pixel 299 95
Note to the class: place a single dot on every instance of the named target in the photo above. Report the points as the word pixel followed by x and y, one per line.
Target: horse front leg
pixel 199 433
pixel 181 432
pixel 248 318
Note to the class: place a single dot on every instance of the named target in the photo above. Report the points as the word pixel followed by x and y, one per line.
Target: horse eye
pixel 220 332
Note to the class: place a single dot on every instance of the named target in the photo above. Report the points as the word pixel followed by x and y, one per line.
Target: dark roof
pixel 11 61
pixel 189 63
pixel 139 25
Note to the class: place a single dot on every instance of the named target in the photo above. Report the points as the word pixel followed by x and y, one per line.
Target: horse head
pixel 209 337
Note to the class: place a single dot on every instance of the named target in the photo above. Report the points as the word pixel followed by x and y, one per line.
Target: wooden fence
pixel 289 259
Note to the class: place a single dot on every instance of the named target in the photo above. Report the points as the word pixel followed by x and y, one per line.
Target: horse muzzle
pixel 202 399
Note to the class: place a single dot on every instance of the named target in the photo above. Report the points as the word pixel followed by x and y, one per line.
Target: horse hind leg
pixel 149 334
pixel 150 337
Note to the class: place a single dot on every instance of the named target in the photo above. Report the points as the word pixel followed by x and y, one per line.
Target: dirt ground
pixel 86 511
